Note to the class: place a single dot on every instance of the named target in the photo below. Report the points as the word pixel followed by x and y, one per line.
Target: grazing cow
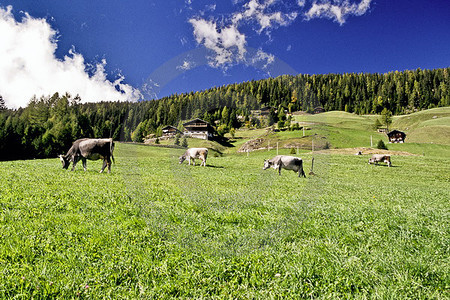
pixel 193 153
pixel 376 158
pixel 92 149
pixel 285 162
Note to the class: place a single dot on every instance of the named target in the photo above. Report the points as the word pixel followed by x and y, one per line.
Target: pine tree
pixel 381 145
pixel 386 117
pixel 184 142
pixel 377 124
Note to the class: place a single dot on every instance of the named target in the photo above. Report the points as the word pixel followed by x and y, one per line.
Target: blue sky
pixel 150 49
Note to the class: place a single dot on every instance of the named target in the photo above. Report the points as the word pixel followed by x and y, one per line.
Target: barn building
pixel 396 136
pixel 263 112
pixel 319 110
pixel 199 129
pixel 170 131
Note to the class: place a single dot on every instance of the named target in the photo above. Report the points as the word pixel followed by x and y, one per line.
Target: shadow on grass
pixel 223 141
pixel 208 166
pixel 386 166
pixel 215 167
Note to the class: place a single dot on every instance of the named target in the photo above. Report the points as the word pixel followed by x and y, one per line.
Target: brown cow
pixel 376 158
pixel 193 153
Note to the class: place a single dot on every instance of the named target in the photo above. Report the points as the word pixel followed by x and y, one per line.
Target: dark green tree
pixel 184 142
pixel 386 117
pixel 381 145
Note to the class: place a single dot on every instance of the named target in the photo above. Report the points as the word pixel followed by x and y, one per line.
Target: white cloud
pixel 301 3
pixel 208 8
pixel 264 58
pixel 337 10
pixel 227 44
pixel 183 41
pixel 186 65
pixel 29 66
pixel 265 15
pixel 226 41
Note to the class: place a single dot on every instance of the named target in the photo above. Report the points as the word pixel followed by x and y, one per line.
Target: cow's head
pixel 371 160
pixel 267 164
pixel 182 158
pixel 65 162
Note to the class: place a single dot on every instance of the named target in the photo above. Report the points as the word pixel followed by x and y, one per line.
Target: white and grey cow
pixel 285 162
pixel 92 149
pixel 193 153
pixel 376 158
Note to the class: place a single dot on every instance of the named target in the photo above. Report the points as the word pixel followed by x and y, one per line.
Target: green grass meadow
pixel 155 229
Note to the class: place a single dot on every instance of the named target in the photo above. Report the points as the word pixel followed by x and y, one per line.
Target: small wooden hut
pixel 396 136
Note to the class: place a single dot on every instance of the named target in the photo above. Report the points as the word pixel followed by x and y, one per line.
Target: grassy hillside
pixel 156 229
pixel 337 129
pixel 420 119
pixel 350 130
pixel 428 126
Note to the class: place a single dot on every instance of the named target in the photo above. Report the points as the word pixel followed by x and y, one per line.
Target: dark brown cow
pixel 91 149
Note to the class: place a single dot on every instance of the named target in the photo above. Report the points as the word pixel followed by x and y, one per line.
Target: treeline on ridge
pixel 48 125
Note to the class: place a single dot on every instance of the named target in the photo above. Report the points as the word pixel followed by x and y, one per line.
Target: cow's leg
pixel 84 163
pixel 279 170
pixel 75 160
pixel 104 165
pixel 189 160
pixel 301 172
pixel 108 160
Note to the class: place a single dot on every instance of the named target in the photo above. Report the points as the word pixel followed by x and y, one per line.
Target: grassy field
pixel 156 229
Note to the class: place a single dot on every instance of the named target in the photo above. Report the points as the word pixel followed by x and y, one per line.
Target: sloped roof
pixel 169 126
pixel 395 131
pixel 195 121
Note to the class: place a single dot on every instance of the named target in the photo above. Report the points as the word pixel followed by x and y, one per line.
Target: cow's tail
pixel 111 149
